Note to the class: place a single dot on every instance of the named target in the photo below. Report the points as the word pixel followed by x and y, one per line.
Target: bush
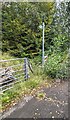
pixel 57 66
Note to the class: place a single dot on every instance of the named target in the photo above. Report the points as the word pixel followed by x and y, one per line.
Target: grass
pixel 19 90
pixel 13 95
pixel 30 87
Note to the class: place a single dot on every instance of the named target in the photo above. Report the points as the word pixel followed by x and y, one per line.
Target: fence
pixel 13 71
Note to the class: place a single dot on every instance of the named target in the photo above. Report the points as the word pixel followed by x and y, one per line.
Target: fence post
pixel 26 72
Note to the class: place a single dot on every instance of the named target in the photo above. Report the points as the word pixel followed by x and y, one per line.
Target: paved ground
pixel 54 104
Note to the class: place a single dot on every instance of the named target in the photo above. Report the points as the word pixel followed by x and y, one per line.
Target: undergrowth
pixel 56 66
pixel 21 88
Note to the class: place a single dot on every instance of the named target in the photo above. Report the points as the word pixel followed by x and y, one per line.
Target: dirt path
pixel 53 105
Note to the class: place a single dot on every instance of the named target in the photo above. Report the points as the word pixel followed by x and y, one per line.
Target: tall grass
pixel 21 88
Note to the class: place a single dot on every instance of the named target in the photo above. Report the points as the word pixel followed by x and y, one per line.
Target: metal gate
pixel 13 71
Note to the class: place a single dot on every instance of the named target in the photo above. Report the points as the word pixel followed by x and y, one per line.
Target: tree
pixel 21 33
pixel 60 29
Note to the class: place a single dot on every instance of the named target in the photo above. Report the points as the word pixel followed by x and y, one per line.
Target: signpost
pixel 42 27
pixel 43 61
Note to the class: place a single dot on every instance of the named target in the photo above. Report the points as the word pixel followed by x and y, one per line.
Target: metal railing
pixel 13 71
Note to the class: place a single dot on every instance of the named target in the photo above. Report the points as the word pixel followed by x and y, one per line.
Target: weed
pixel 41 95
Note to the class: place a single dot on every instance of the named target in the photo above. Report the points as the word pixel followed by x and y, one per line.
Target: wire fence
pixel 13 71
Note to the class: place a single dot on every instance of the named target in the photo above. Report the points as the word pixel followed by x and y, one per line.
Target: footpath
pixel 53 105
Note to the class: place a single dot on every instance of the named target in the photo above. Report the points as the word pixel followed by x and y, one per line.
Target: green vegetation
pixel 19 90
pixel 57 65
pixel 22 37
pixel 12 96
pixel 41 95
pixel 20 27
